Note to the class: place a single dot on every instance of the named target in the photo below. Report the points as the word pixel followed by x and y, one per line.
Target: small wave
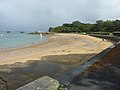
pixel 1 35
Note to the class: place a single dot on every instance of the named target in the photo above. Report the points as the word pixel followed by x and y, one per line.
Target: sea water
pixel 15 38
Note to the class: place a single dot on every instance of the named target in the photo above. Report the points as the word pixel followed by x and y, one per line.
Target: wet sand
pixel 61 52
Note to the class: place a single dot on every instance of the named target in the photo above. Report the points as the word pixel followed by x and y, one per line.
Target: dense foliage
pixel 78 27
pixel 62 87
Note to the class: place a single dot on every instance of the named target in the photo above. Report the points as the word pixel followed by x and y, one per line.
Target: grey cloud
pixel 34 14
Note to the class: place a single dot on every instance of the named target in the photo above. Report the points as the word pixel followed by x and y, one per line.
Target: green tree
pixel 100 26
pixel 76 24
pixel 116 25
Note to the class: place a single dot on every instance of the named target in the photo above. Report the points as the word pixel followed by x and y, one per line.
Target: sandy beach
pixel 57 44
pixel 62 52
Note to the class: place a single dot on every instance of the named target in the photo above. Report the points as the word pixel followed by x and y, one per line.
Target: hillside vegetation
pixel 79 27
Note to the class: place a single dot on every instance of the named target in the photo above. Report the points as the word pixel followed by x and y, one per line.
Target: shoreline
pixel 16 39
pixel 59 54
pixel 27 45
pixel 67 43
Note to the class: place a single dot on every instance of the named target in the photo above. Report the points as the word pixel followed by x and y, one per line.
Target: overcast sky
pixel 41 14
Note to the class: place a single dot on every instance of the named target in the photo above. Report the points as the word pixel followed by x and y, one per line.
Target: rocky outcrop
pixel 3 84
pixel 44 83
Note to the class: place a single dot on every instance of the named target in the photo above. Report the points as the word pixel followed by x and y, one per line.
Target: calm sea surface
pixel 15 38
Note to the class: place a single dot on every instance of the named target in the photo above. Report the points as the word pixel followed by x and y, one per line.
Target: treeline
pixel 78 27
